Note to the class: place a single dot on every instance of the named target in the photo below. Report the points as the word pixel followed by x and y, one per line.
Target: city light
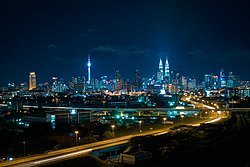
pixel 113 129
pixel 98 78
pixel 76 134
pixel 140 126
pixel 182 117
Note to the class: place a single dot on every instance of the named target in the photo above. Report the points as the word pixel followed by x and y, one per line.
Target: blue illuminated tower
pixel 89 64
pixel 223 82
pixel 161 70
pixel 167 73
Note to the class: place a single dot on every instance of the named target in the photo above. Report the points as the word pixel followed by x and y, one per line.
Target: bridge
pixel 206 107
pixel 97 149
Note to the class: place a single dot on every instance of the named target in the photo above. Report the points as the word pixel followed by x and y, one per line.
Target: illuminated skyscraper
pixel 118 80
pixel 137 82
pixel 161 70
pixel 223 82
pixel 208 80
pixel 89 64
pixel 167 73
pixel 215 82
pixel 232 80
pixel 32 81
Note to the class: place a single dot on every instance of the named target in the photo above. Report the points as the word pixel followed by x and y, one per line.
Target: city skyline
pixel 127 82
pixel 53 42
pixel 164 75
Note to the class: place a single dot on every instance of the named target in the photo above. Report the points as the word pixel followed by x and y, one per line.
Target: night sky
pixel 53 38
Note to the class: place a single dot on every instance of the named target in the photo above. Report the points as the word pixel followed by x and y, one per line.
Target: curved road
pixel 58 155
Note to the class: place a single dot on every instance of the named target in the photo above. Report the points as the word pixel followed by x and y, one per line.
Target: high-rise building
pixel 78 83
pixel 59 87
pixel 32 81
pixel 89 65
pixel 184 83
pixel 24 86
pixel 158 77
pixel 167 73
pixel 215 82
pixel 137 82
pixel 207 80
pixel 118 80
pixel 174 82
pixel 161 70
pixel 192 83
pixel 232 80
pixel 223 82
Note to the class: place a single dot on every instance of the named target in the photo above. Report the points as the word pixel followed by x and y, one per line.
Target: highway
pixel 58 155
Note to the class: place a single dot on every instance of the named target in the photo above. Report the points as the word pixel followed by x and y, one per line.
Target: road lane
pixel 58 155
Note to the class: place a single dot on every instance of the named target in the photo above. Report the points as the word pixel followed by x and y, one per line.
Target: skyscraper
pixel 118 80
pixel 208 80
pixel 215 81
pixel 232 80
pixel 32 81
pixel 137 82
pixel 223 82
pixel 89 64
pixel 167 73
pixel 161 70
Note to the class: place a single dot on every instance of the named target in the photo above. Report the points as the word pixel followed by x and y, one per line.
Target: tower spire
pixel 161 69
pixel 89 64
pixel 167 73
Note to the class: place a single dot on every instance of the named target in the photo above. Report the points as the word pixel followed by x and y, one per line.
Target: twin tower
pixel 163 74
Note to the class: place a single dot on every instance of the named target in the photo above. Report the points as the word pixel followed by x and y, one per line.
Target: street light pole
pixel 195 115
pixel 76 132
pixel 113 129
pixel 24 151
pixel 164 121
pixel 140 130
pixel 182 116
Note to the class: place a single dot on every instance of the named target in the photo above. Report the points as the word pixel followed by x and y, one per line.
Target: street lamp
pixel 24 148
pixel 164 120
pixel 113 129
pixel 182 116
pixel 195 115
pixel 76 132
pixel 140 130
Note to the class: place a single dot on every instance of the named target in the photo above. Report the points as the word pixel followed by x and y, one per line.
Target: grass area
pixel 85 161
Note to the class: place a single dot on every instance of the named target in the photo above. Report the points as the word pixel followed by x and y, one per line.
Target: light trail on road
pixel 55 156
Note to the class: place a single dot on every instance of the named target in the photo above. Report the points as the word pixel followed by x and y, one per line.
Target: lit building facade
pixel 232 80
pixel 118 80
pixel 207 81
pixel 32 81
pixel 161 70
pixel 223 82
pixel 89 65
pixel 167 72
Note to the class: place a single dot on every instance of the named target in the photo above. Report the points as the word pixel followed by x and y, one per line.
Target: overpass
pixel 96 148
pixel 206 107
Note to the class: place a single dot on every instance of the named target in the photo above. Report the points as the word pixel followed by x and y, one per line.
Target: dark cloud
pixel 231 55
pixel 57 58
pixel 53 46
pixel 123 52
pixel 195 52
pixel 235 59
pixel 89 32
